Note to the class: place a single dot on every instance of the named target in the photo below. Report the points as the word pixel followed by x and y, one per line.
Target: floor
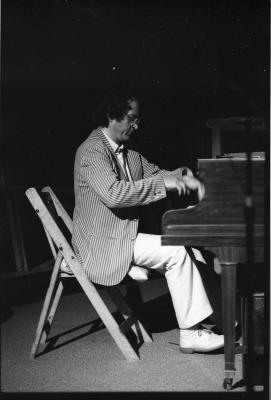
pixel 82 356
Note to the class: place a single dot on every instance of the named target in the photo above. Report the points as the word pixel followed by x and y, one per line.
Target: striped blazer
pixel 106 213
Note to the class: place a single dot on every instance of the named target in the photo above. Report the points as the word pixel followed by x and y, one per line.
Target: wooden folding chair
pixel 62 250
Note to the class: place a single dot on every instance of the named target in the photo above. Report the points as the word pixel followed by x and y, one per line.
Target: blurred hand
pixel 184 185
pixel 175 183
pixel 193 184
pixel 182 171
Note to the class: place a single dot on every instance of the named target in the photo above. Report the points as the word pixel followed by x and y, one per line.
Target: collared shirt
pixel 118 150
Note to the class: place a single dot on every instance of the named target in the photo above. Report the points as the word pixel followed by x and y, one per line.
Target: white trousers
pixel 188 295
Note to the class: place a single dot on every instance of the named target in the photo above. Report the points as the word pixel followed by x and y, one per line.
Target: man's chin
pixel 128 135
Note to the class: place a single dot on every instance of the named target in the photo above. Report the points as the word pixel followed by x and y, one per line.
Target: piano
pixel 229 221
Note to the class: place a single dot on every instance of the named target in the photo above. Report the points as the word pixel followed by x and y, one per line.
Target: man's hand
pixel 184 185
pixel 193 184
pixel 182 171
pixel 175 183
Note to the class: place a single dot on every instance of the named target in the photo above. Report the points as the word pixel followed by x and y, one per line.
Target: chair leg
pixel 106 316
pixel 125 310
pixel 52 311
pixel 46 307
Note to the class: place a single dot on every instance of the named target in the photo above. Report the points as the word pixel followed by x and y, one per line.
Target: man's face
pixel 121 131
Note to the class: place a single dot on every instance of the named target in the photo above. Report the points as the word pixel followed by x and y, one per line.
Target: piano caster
pixel 227 384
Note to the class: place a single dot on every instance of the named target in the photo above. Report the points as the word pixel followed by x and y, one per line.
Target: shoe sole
pixel 190 350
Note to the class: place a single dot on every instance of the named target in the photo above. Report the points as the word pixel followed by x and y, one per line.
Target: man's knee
pixel 178 258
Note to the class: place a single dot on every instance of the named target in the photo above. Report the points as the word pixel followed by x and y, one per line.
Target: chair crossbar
pixel 128 323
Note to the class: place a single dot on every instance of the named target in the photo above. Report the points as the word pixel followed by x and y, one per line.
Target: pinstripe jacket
pixel 106 214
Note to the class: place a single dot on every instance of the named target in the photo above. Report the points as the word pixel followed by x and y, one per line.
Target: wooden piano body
pixel 220 218
pixel 230 222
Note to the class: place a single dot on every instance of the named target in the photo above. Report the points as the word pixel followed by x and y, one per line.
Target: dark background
pixel 187 60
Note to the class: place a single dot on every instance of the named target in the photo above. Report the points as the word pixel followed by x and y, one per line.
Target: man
pixel 111 184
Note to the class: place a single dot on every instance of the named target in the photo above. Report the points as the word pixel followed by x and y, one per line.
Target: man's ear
pixel 109 121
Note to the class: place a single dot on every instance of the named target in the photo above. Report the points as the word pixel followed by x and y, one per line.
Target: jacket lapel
pixel 132 159
pixel 134 165
pixel 112 154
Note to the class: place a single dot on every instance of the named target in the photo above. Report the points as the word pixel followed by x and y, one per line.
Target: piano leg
pixel 228 275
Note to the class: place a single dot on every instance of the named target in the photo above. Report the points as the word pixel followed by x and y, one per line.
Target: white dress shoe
pixel 201 341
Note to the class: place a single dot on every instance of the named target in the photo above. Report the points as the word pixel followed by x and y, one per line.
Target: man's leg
pixel 212 284
pixel 188 295
pixel 189 298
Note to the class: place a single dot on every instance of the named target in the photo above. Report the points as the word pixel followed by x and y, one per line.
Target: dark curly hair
pixel 112 106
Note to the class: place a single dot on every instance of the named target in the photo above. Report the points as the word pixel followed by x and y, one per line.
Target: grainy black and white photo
pixel 134 201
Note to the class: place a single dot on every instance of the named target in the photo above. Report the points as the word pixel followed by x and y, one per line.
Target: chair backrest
pixel 64 225
pixel 57 208
pixel 58 241
pixel 63 247
pixel 58 212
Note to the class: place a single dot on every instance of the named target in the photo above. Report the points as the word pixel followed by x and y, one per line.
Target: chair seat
pixel 65 269
pixel 137 273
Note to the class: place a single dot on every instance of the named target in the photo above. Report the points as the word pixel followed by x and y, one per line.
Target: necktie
pixel 121 156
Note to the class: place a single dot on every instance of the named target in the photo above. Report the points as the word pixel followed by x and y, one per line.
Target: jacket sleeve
pixel 150 169
pixel 98 172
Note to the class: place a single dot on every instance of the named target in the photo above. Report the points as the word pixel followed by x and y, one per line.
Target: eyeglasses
pixel 133 120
